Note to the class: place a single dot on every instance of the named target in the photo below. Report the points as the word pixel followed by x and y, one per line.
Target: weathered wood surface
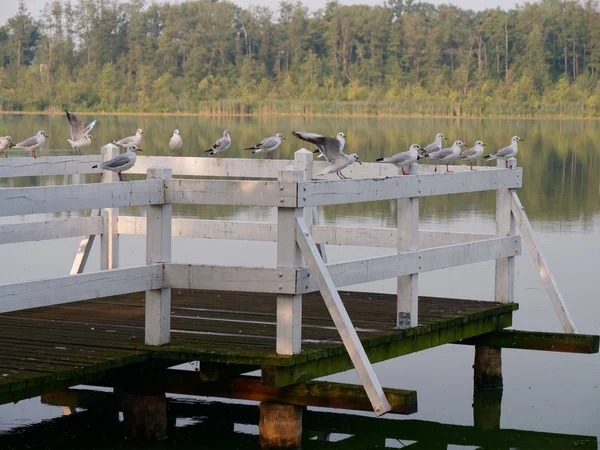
pixel 50 229
pixel 49 165
pixel 85 247
pixel 44 346
pixel 537 340
pixel 51 199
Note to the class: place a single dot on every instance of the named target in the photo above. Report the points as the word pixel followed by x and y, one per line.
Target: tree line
pixel 209 56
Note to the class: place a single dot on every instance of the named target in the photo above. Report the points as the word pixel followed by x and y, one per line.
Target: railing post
pixel 158 250
pixel 505 226
pixel 303 160
pixel 289 307
pixel 109 241
pixel 408 285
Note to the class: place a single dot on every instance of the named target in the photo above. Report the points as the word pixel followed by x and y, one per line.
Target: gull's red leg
pixel 447 170
pixel 121 177
pixel 403 172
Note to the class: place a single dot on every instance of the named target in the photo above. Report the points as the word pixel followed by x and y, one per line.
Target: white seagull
pixel 121 163
pixel 507 152
pixel 175 143
pixel 449 154
pixel 473 154
pixel 34 142
pixel 435 146
pixel 131 140
pixel 403 159
pixel 267 145
pixel 5 144
pixel 322 142
pixel 80 137
pixel 331 148
pixel 221 144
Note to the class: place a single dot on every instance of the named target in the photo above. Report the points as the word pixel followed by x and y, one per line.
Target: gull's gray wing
pixel 222 143
pixel 29 142
pixel 329 146
pixel 267 142
pixel 87 129
pixel 399 158
pixel 431 148
pixel 467 153
pixel 503 152
pixel 116 162
pixel 125 141
pixel 442 153
pixel 76 126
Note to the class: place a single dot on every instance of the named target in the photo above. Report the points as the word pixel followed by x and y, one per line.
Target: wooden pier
pixel 288 319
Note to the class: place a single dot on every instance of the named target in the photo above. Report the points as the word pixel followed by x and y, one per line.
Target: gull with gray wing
pixel 33 143
pixel 121 163
pixel 331 148
pixel 221 144
pixel 403 159
pixel 80 137
pixel 507 152
pixel 131 140
pixel 435 146
pixel 267 145
pixel 447 155
pixel 472 154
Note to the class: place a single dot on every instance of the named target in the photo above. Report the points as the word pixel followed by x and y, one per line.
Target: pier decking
pixel 45 349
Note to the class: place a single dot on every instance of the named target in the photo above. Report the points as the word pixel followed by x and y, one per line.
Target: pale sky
pixel 9 7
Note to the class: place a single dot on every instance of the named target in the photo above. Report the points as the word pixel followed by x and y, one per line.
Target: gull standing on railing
pixel 507 152
pixel 267 145
pixel 5 144
pixel 404 159
pixel 435 146
pixel 221 144
pixel 121 163
pixel 472 154
pixel 33 143
pixel 131 140
pixel 175 143
pixel 80 137
pixel 447 155
pixel 331 148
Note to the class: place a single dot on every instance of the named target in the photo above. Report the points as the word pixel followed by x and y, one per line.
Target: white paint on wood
pixel 315 193
pixel 407 287
pixel 505 226
pixel 230 278
pixel 341 319
pixel 50 199
pixel 289 307
pixel 85 247
pixel 109 240
pixel 73 288
pixel 49 165
pixel 158 250
pixel 231 192
pixel 50 229
pixel 560 306
pixel 423 260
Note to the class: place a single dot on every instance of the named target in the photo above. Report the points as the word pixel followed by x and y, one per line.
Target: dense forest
pixel 214 57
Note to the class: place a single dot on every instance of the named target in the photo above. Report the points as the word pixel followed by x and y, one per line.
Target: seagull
pixel 80 136
pixel 131 140
pixel 324 143
pixel 331 148
pixel 267 145
pixel 435 146
pixel 121 163
pixel 404 159
pixel 507 152
pixel 473 154
pixel 221 144
pixel 175 143
pixel 447 155
pixel 5 144
pixel 33 143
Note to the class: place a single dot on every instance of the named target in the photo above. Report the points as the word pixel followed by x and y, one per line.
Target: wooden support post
pixel 487 409
pixel 85 248
pixel 158 250
pixel 341 319
pixel 280 426
pixel 505 226
pixel 109 241
pixel 303 160
pixel 144 416
pixel 408 285
pixel 289 307
pixel 487 367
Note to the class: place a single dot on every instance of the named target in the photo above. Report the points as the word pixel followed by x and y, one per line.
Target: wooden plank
pixel 85 248
pixel 230 278
pixel 536 340
pixel 505 226
pixel 341 319
pixel 72 288
pixel 418 261
pixel 158 250
pixel 560 306
pixel 49 165
pixel 407 286
pixel 51 199
pixel 231 192
pixel 289 256
pixel 316 193
pixel 109 240
pixel 49 229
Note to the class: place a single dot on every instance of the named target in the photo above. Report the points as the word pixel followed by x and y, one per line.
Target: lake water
pixel 545 392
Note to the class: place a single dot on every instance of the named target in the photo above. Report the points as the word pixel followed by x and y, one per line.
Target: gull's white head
pixel 459 144
pixel 88 137
pixel 176 132
pixel 139 131
pixel 8 138
pixel 440 137
pixel 516 139
pixel 340 136
pixel 415 148
pixel 479 144
pixel 279 135
pixel 134 149
pixel 353 156
pixel 42 133
pixel 225 133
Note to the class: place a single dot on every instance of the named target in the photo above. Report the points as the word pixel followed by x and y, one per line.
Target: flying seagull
pixel 221 144
pixel 267 145
pixel 322 142
pixel 507 152
pixel 403 159
pixel 331 148
pixel 80 137
pixel 121 163
pixel 34 142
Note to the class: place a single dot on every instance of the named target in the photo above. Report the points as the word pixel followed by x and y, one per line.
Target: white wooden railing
pixel 301 265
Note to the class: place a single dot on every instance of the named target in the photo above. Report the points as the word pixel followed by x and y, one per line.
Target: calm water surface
pixel 544 392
